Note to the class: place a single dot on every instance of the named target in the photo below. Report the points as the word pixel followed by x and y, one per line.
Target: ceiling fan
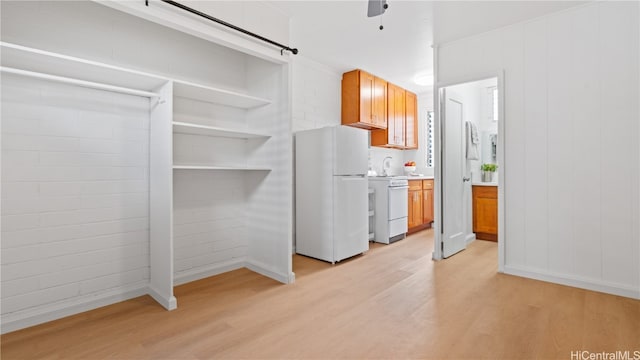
pixel 377 7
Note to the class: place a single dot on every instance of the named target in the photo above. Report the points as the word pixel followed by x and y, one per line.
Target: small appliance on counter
pixel 332 193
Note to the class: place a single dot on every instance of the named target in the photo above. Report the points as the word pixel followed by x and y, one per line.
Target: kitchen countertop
pixel 424 177
pixel 484 184
pixel 420 177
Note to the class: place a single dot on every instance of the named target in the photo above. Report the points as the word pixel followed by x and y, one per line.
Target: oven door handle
pixel 398 187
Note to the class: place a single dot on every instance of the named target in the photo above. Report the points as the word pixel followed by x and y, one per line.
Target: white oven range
pixel 391 209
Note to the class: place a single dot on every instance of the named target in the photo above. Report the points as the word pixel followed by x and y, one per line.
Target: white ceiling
pixel 339 33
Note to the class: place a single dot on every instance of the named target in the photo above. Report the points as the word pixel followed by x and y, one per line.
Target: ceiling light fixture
pixel 423 79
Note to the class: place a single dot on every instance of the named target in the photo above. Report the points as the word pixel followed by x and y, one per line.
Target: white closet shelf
pixel 53 65
pixel 196 129
pixel 58 65
pixel 207 167
pixel 214 95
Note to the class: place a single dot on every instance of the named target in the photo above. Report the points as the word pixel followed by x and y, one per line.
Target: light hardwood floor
pixel 393 302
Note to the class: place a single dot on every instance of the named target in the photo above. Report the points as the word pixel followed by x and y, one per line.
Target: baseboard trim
pixel 267 271
pixel 421 227
pixel 574 281
pixel 31 317
pixel 207 271
pixel 169 303
pixel 470 238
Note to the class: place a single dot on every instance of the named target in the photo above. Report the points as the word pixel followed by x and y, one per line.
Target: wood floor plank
pixel 392 302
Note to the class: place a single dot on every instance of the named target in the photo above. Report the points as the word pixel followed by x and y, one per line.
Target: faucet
pixel 385 166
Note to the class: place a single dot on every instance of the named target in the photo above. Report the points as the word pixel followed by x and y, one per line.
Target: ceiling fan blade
pixel 376 7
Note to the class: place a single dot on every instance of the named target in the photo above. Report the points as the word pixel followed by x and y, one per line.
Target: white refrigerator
pixel 332 221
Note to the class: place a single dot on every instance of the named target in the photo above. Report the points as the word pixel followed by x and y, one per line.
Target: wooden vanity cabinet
pixel 420 205
pixel 485 212
pixel 364 100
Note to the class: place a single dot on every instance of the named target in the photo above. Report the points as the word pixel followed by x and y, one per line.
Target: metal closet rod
pixel 222 22
pixel 78 82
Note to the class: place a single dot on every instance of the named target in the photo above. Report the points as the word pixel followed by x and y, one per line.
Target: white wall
pixel 396 164
pixel 571 172
pixel 425 104
pixel 316 94
pixel 75 189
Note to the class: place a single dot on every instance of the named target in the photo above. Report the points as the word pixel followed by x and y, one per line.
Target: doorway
pixel 469 171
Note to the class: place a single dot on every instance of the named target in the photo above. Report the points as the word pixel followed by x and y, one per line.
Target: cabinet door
pixel 367 99
pixel 361 94
pixel 392 136
pixel 427 206
pixel 411 120
pixel 485 212
pixel 379 94
pixel 415 208
pixel 399 99
pixel 392 91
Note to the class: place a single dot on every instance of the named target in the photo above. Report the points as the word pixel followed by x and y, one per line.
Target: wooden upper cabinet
pixel 399 130
pixel 393 136
pixel 379 102
pixel 364 100
pixel 411 121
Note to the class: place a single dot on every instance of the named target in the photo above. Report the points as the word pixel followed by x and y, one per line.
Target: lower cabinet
pixel 485 212
pixel 420 205
pixel 415 203
pixel 427 201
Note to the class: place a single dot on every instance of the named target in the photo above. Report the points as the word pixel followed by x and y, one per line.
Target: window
pixel 429 138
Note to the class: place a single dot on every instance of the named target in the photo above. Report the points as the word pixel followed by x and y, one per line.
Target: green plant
pixel 489 167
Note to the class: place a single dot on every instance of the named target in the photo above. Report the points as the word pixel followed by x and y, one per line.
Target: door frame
pixel 500 156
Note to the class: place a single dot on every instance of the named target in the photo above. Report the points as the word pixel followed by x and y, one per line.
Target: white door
pixel 453 231
pixel 351 216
